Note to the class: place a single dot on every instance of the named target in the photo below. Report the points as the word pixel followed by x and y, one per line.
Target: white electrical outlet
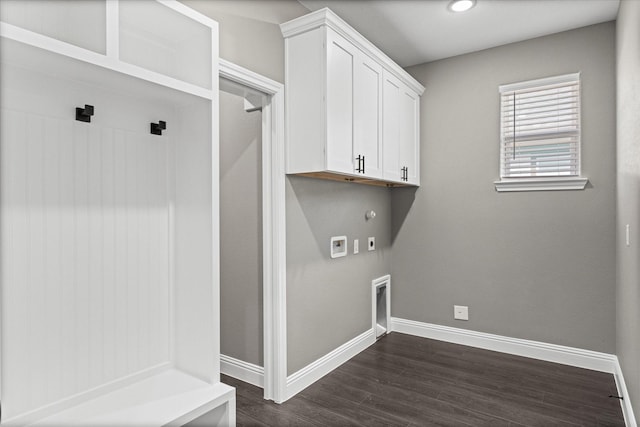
pixel 356 246
pixel 371 244
pixel 461 312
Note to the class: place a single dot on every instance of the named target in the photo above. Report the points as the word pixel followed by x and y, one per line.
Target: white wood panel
pixel 409 135
pixel 80 306
pixel 81 24
pixel 306 123
pixel 143 146
pixel 159 258
pixel 108 191
pixel 53 269
pixel 85 252
pixel 391 127
pixel 14 268
pixel 367 112
pixel 96 258
pixel 197 273
pixel 67 260
pixel 132 253
pixel 35 254
pixel 120 284
pixel 339 104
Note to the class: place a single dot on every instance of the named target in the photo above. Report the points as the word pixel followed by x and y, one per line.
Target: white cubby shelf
pixel 109 235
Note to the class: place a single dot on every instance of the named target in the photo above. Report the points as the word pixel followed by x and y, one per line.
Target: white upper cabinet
pixel 340 124
pixel 401 132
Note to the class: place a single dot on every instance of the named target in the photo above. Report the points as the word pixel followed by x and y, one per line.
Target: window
pixel 540 135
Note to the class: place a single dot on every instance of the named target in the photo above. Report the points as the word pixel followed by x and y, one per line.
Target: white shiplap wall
pixel 84 261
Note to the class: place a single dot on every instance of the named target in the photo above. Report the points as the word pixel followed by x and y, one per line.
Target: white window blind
pixel 540 128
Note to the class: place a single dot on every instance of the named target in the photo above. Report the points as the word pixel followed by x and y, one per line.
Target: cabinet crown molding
pixel 326 17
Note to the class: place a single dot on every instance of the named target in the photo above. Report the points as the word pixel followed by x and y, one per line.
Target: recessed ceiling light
pixel 461 5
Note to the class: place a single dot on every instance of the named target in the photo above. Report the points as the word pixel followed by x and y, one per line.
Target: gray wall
pixel 328 301
pixel 556 280
pixel 532 265
pixel 628 212
pixel 240 231
pixel 249 31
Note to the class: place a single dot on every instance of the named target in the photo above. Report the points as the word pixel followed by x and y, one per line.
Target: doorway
pixel 263 205
pixel 241 313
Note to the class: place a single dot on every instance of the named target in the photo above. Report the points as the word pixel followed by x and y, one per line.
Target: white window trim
pixel 541 184
pixel 547 183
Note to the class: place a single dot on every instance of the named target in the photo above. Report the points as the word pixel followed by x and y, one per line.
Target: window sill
pixel 541 184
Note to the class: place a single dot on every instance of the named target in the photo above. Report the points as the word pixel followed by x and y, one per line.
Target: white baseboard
pixel 580 358
pixel 243 371
pixel 313 372
pixel 627 410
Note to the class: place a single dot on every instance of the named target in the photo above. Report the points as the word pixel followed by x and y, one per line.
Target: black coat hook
pixel 84 114
pixel 157 128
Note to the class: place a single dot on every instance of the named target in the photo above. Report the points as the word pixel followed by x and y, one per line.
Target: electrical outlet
pixel 461 312
pixel 371 244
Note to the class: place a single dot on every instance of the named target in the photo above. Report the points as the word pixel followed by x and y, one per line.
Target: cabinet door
pixel 401 142
pixel 339 103
pixel 409 149
pixel 391 128
pixel 367 114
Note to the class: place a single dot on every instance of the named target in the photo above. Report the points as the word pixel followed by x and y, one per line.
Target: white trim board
pixel 241 370
pixel 273 226
pixel 625 403
pixel 577 357
pixel 314 371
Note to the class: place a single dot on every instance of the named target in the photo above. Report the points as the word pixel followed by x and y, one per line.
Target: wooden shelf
pixel 331 176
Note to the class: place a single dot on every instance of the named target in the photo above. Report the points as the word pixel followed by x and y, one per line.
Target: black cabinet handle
pixel 360 168
pixel 405 173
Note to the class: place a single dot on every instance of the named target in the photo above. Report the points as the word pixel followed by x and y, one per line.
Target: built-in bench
pixel 171 398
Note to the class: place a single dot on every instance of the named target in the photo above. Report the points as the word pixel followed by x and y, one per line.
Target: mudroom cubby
pixel 109 216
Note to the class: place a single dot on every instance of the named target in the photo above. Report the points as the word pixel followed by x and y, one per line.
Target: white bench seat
pixel 171 398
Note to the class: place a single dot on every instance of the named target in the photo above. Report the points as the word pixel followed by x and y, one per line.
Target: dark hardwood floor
pixel 408 381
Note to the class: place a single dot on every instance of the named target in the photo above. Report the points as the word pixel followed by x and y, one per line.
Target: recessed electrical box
pixel 338 246
pixel 371 244
pixel 461 312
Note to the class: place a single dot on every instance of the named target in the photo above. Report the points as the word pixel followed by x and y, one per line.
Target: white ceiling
pixel 417 31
